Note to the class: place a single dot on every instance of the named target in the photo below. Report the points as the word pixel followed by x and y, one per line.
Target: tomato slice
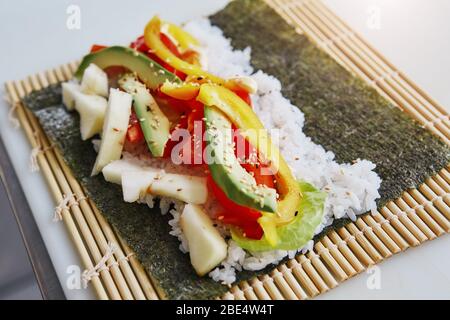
pixel 192 122
pixel 134 132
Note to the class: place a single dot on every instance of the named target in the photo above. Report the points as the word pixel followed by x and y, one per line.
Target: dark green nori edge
pixel 342 114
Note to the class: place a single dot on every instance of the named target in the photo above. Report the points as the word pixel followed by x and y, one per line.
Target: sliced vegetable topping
pixel 207 248
pixel 244 218
pixel 154 123
pixel 296 234
pixel 153 40
pixel 92 111
pixel 225 169
pixel 148 71
pixel 261 198
pixel 94 81
pixel 134 132
pixel 253 130
pixel 69 92
pixel 114 129
pixel 184 91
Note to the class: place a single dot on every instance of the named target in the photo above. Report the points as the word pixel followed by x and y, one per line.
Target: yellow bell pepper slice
pixel 269 225
pixel 253 130
pixel 153 41
pixel 183 91
pixel 184 40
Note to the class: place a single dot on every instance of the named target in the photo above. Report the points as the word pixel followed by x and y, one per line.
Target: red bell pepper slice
pixel 237 215
pixel 134 132
pixel 139 45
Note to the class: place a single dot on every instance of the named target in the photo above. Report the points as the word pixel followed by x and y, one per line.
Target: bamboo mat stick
pixel 441 197
pixel 248 291
pixel 338 256
pixel 354 245
pixel 432 187
pixel 403 225
pixel 415 217
pixel 312 274
pixel 292 282
pixel 381 234
pixel 144 278
pixel 237 293
pixel 270 287
pixel 372 238
pixel 391 230
pixel 259 290
pixel 16 93
pixel 364 242
pixel 445 175
pixel 346 251
pixel 302 278
pixel 430 205
pixel 410 220
pixel 334 267
pixel 322 270
pixel 424 216
pixel 282 285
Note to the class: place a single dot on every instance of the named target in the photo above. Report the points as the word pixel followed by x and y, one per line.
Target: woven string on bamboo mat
pixel 418 215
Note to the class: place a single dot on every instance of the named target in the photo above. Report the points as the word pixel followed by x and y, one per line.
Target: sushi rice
pixel 352 188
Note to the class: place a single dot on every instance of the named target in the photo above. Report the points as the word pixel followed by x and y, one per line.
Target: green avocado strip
pixel 148 71
pixel 342 114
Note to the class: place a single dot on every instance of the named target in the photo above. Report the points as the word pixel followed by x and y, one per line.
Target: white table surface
pixel 411 33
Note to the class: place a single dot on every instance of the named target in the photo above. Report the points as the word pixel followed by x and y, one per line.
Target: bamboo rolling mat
pixel 419 215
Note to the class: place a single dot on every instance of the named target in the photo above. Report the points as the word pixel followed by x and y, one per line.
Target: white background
pixel 413 34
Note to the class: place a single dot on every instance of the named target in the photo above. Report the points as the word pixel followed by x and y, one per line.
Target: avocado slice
pixel 228 174
pixel 154 123
pixel 148 71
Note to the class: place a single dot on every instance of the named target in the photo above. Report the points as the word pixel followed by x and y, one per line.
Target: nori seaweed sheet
pixel 342 114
